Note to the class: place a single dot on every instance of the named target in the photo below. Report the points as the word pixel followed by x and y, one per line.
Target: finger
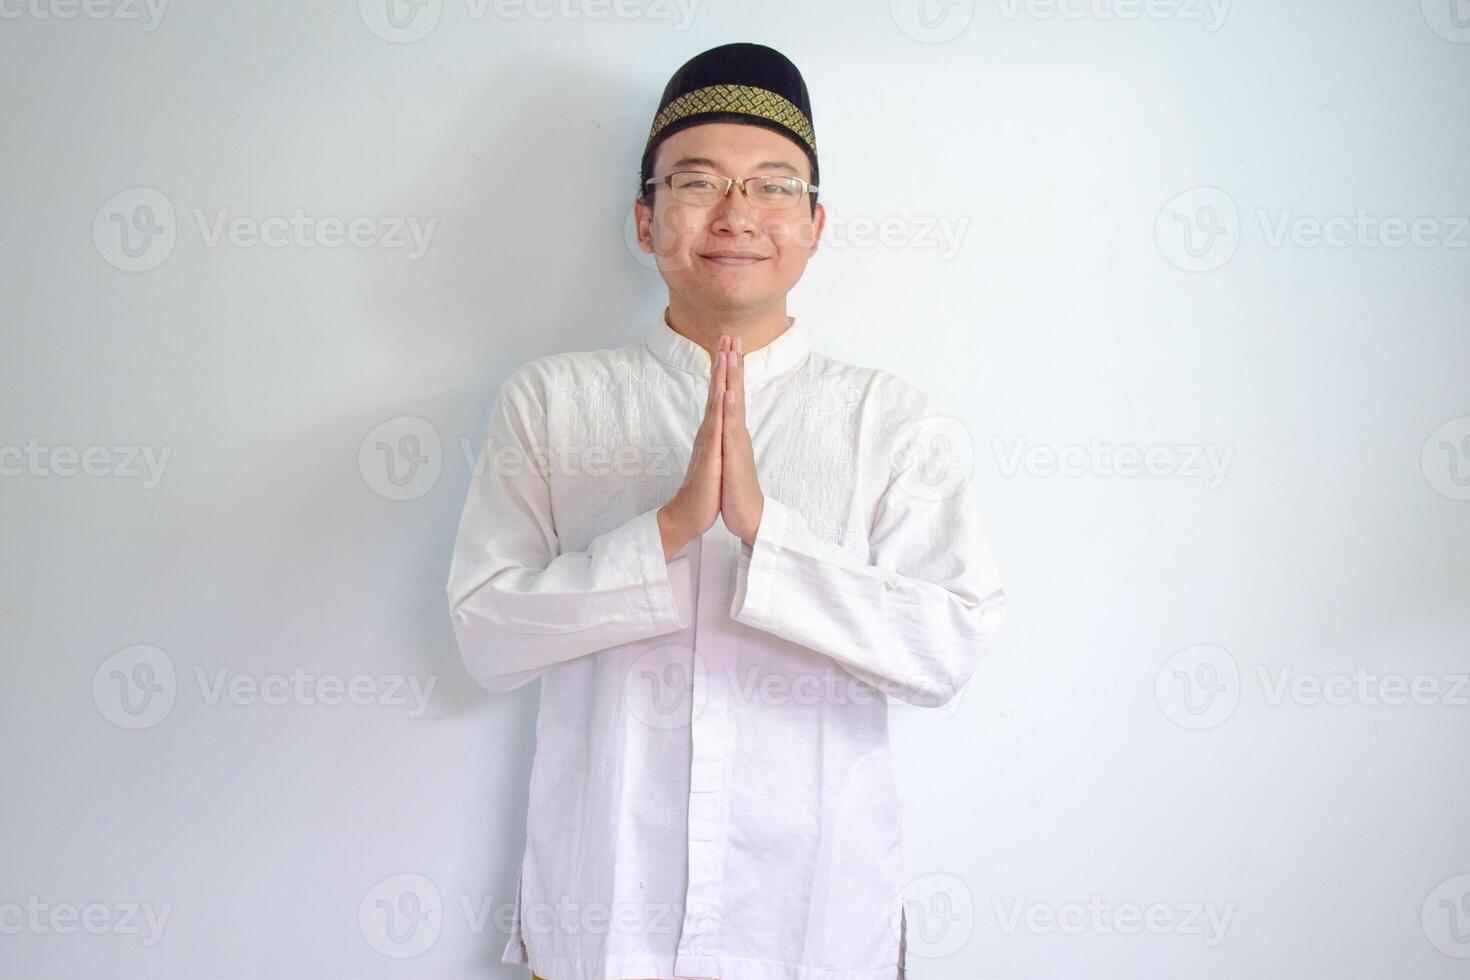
pixel 718 372
pixel 735 379
pixel 718 435
pixel 725 401
pixel 729 420
pixel 732 450
pixel 710 401
pixel 726 379
pixel 707 444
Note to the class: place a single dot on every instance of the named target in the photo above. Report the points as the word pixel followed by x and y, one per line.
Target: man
pixel 712 792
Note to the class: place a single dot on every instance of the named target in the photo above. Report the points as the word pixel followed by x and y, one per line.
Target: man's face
pixel 689 240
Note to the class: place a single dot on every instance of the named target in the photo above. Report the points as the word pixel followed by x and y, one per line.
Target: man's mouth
pixel 733 258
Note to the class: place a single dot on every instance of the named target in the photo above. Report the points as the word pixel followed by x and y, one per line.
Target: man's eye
pixel 775 190
pixel 698 183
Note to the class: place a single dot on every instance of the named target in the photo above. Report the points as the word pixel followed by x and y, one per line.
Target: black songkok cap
pixel 741 83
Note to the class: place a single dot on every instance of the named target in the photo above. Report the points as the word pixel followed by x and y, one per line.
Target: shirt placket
pixel 709 728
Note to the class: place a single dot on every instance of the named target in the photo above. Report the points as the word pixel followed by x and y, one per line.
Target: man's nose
pixel 734 210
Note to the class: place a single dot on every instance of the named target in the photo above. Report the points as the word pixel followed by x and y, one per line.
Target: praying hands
pixel 721 479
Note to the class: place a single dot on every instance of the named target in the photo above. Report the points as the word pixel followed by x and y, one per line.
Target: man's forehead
pixel 736 145
pixel 714 164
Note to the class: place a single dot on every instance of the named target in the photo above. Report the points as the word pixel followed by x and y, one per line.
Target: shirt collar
pixel 677 350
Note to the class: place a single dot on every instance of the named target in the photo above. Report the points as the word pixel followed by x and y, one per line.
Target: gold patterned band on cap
pixel 737 98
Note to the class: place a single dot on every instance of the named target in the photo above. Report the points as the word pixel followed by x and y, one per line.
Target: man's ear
pixel 819 221
pixel 643 224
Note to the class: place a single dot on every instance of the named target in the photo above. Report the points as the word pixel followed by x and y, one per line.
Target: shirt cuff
pixel 757 567
pixel 670 594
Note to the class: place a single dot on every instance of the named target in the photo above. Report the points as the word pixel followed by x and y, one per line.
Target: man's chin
pixel 732 300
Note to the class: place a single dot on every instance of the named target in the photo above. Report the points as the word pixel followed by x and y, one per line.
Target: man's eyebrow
pixel 763 166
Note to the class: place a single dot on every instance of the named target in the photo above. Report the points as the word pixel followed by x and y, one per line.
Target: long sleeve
pixel 913 621
pixel 517 603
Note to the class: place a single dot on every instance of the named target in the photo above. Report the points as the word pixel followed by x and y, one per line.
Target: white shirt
pixel 712 792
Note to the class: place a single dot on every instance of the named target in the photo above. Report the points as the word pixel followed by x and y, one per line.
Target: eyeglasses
pixel 764 191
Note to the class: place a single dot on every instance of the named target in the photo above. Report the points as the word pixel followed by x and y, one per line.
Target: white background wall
pixel 1127 744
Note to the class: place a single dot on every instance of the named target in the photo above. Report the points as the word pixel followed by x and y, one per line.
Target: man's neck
pixel 755 330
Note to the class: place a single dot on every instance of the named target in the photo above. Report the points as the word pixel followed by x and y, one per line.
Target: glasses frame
pixel 806 186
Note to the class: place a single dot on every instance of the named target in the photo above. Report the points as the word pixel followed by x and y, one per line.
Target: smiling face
pixel 729 258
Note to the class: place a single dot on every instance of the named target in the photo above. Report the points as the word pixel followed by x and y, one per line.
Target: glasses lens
pixel 773 192
pixel 763 192
pixel 694 188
